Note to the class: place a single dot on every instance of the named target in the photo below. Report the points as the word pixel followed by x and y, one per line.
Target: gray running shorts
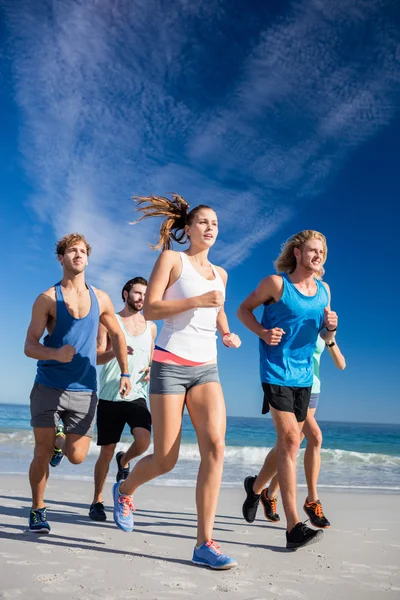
pixel 75 409
pixel 179 379
pixel 313 401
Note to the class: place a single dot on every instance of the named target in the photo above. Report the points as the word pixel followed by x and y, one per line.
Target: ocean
pixel 354 456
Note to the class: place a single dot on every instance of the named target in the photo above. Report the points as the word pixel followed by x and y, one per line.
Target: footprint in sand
pixel 181 585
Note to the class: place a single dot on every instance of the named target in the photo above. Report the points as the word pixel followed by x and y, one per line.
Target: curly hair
pixel 68 240
pixel 286 261
pixel 177 213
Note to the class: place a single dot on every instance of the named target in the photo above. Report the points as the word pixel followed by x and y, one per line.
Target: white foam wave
pixel 240 455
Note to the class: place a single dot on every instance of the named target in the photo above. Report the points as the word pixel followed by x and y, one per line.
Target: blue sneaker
pixel 123 509
pixel 209 555
pixel 38 521
pixel 58 454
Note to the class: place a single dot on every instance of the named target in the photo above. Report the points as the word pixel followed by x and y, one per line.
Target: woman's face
pixel 203 231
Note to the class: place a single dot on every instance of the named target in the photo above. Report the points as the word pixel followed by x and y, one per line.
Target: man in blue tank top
pixel 296 309
pixel 114 411
pixel 65 384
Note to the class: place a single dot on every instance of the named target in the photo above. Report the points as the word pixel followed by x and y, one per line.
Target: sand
pixel 359 556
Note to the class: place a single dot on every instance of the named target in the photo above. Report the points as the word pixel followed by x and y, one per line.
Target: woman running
pixel 188 293
pixel 312 455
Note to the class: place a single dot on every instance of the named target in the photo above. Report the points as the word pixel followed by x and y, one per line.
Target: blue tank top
pixel 80 373
pixel 301 317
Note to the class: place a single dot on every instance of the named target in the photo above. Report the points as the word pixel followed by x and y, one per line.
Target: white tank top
pixel 191 334
pixel 110 373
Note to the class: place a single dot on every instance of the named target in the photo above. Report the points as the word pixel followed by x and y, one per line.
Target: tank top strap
pixel 62 311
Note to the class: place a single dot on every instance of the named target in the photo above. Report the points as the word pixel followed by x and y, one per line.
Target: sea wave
pixel 244 455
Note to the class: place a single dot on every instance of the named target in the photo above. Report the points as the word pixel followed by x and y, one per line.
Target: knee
pixel 215 449
pixel 75 457
pixel 290 441
pixel 142 443
pixel 107 452
pixel 43 452
pixel 315 438
pixel 165 464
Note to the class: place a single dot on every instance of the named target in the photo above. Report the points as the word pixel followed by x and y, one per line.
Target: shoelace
pixel 127 505
pixel 214 546
pixel 274 502
pixel 317 508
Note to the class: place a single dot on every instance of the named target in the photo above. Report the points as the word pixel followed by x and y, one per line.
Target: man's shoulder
pixel 48 295
pixel 273 280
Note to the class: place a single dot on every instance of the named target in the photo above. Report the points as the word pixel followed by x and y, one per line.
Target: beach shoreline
pixel 358 557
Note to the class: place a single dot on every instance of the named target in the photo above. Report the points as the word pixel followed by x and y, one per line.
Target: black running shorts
pixel 287 399
pixel 112 416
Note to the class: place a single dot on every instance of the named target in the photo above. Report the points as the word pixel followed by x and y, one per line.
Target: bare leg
pixel 101 471
pixel 166 413
pixel 268 470
pixel 288 442
pixel 312 455
pixel 76 447
pixel 273 488
pixel 140 445
pixel 39 469
pixel 206 407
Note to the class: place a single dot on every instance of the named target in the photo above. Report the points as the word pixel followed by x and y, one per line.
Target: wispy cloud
pixel 126 98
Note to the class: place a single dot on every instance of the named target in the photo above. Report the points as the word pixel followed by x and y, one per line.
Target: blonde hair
pixel 286 261
pixel 177 213
pixel 68 240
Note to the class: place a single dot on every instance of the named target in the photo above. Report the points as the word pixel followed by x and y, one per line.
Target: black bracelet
pixel 330 329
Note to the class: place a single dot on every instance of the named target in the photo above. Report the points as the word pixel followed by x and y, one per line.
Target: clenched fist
pixel 330 319
pixel 65 354
pixel 212 299
pixel 272 337
pixel 231 340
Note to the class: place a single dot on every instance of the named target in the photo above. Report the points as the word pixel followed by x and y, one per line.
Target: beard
pixel 136 306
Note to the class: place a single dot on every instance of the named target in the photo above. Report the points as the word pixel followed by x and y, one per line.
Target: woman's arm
pixel 155 307
pixel 230 340
pixel 337 356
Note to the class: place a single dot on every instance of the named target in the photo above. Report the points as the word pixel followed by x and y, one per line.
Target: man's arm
pixel 118 342
pixel 33 348
pixel 269 288
pixel 104 352
pixel 146 370
pixel 328 331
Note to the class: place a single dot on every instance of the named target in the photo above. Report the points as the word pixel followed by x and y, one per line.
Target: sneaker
pixel 252 501
pixel 314 511
pixel 58 454
pixel 209 555
pixel 123 509
pixel 57 457
pixel 38 521
pixel 122 472
pixel 269 505
pixel 97 512
pixel 301 535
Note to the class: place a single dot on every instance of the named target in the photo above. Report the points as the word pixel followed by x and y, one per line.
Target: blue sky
pixel 281 115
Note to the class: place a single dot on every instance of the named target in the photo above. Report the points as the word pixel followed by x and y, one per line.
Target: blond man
pixel 296 310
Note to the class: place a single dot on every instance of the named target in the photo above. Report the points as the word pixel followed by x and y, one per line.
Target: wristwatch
pixel 330 344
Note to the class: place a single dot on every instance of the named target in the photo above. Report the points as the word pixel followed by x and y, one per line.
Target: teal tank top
pixel 301 317
pixel 320 347
pixel 110 372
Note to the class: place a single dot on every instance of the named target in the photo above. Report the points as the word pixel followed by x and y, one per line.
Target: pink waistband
pixel 168 358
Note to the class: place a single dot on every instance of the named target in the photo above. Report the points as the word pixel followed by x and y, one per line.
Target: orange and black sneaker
pixel 269 506
pixel 316 514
